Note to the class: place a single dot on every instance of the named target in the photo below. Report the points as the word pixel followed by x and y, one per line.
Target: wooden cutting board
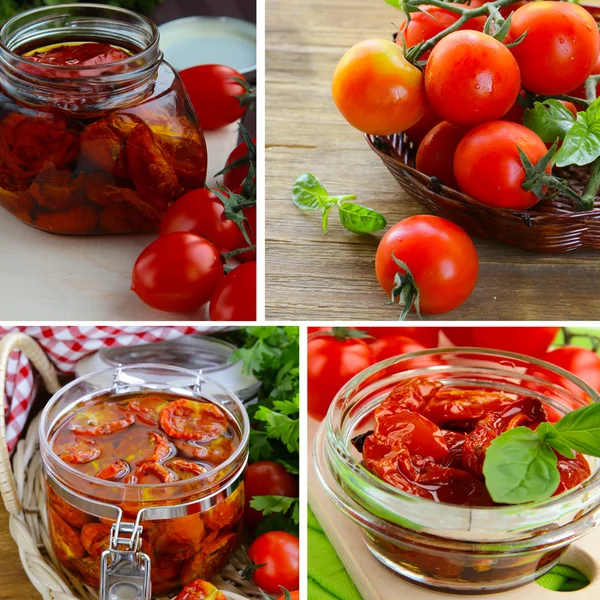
pixel 376 582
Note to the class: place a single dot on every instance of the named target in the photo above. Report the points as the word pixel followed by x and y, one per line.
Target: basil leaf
pixel 520 467
pixel 549 119
pixel 548 433
pixel 360 219
pixel 308 193
pixel 582 142
pixel 580 429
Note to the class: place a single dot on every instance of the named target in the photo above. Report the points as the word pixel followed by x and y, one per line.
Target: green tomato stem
pixel 572 99
pixel 591 189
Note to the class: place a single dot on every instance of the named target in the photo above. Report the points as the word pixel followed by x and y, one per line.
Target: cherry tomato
pixel 425 24
pixel 426 336
pixel 424 125
pixel 148 408
pixel 101 419
pixel 377 90
pixel 192 420
pixel 390 346
pixel 477 72
pixel 488 167
pixel 234 298
pixel 234 178
pixel 215 94
pixel 266 478
pixel 582 362
pixel 279 552
pixel 200 590
pixel 435 156
pixel 332 362
pixel 560 49
pixel 250 224
pixel 440 255
pixel 177 272
pixel 202 213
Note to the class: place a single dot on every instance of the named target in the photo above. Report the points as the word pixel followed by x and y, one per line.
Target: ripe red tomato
pixel 295 595
pixel 440 255
pixel 234 298
pixel 377 90
pixel 424 25
pixel 426 336
pixel 332 362
pixel 424 125
pixel 279 552
pixel 488 167
pixel 177 272
pixel 266 478
pixel 435 156
pixel 560 49
pixel 214 94
pixel 580 91
pixel 201 212
pixel 390 346
pixel 477 72
pixel 234 178
pixel 582 362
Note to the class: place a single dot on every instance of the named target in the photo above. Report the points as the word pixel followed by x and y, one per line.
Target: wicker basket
pixel 22 488
pixel 551 226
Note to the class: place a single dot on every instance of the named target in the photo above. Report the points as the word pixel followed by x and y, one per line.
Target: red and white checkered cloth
pixel 65 346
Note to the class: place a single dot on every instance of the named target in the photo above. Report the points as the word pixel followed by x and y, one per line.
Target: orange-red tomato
pixel 209 560
pixel 200 590
pixel 192 420
pixel 377 90
pixel 147 408
pixel 424 125
pixel 101 419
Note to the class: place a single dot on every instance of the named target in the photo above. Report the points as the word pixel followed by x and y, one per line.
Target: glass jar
pixel 93 149
pixel 445 546
pixel 126 538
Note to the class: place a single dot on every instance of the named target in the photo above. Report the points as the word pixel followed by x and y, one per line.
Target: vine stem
pixel 465 15
pixel 591 189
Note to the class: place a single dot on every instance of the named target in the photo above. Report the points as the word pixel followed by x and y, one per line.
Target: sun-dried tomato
pixel 101 419
pixel 151 472
pixel 148 408
pixel 144 445
pixel 79 220
pixel 572 471
pixel 114 471
pixel 65 538
pixel 187 419
pixel 55 190
pixel 210 560
pixel 227 513
pixel 178 539
pixel 87 54
pixel 79 451
pixel 185 469
pixel 200 590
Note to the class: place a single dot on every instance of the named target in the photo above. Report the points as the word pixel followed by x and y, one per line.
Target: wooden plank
pixel 314 276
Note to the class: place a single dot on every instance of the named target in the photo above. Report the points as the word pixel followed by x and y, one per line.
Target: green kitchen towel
pixel 563 579
pixel 327 577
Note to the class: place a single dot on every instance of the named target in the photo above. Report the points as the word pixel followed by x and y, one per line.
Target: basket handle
pixel 26 344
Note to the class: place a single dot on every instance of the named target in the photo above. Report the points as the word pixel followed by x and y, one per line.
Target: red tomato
pixel 202 213
pixel 200 590
pixel 424 125
pixel 424 25
pixel 234 178
pixel 234 298
pixel 426 336
pixel 440 255
pixel 560 49
pixel 488 167
pixel 390 346
pixel 332 362
pixel 266 478
pixel 279 552
pixel 399 101
pixel 295 595
pixel 477 72
pixel 580 91
pixel 214 94
pixel 582 362
pixel 435 156
pixel 177 272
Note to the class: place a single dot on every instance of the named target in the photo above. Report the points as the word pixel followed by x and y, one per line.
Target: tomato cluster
pixel 111 172
pixel 144 440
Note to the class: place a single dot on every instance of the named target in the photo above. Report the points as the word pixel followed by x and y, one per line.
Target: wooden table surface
pixel 331 277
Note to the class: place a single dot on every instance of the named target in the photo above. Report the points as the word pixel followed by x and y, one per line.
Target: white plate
pixel 196 41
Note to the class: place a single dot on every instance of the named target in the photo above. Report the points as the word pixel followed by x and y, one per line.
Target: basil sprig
pixel 308 193
pixel 520 465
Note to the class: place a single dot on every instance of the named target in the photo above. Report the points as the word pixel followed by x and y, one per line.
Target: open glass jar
pixel 134 535
pixel 93 148
pixel 450 547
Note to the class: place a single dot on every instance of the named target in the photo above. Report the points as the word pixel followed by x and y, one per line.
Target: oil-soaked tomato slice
pixel 143 446
pixel 89 569
pixel 114 471
pixel 87 54
pixel 410 395
pixel 65 539
pixel 68 512
pixel 93 533
pixel 227 513
pixel 200 590
pixel 455 442
pixel 151 472
pixel 185 469
pixel 572 472
pixel 214 452
pixel 192 420
pixel 101 419
pixel 178 539
pixel 148 408
pixel 79 451
pixel 210 560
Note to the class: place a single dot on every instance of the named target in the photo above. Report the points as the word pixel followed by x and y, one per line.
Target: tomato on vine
pixel 234 297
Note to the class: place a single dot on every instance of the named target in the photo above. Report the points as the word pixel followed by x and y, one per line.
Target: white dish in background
pixel 193 41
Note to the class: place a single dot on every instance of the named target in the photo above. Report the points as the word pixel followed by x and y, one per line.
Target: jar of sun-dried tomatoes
pixel 422 504
pixel 143 478
pixel 97 134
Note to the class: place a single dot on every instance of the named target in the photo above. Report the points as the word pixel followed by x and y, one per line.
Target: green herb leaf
pixel 580 429
pixel 308 193
pixel 270 505
pixel 293 469
pixel 582 142
pixel 260 447
pixel 548 433
pixel 520 467
pixel 280 427
pixel 549 119
pixel 360 219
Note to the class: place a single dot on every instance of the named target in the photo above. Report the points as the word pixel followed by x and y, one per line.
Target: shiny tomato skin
pixel 582 362
pixel 333 362
pixel 560 49
pixel 424 25
pixel 377 90
pixel 435 156
pixel 424 125
pixel 234 298
pixel 390 346
pixel 279 552
pixel 236 176
pixel 426 336
pixel 440 255
pixel 531 341
pixel 456 69
pixel 177 272
pixel 266 478
pixel 488 167
pixel 213 92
